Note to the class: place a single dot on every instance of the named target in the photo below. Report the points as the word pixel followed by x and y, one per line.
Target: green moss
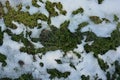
pixel 72 65
pixel 34 3
pixel 25 77
pixel 5 78
pixel 28 7
pixel 117 67
pixel 22 17
pixel 19 7
pixel 95 19
pixel 50 8
pixel 102 64
pixel 83 77
pixel 58 61
pixel 79 10
pixel 1 10
pixel 41 1
pixel 106 20
pixel 2 59
pixel 41 64
pixel 77 54
pixel 81 25
pixel 55 73
pixel 60 38
pixel 100 1
pixel 101 45
pixel 59 6
pixel 108 76
pixel 116 18
pixel 63 12
pixel 1 37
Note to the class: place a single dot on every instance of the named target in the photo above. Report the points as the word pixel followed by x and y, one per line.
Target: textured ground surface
pixel 59 40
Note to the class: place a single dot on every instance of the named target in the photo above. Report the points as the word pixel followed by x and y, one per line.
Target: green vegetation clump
pixel 100 1
pixel 81 25
pixel 61 38
pixel 83 77
pixel 55 73
pixel 116 74
pixel 1 37
pixel 25 77
pixel 5 78
pixel 41 64
pixel 21 17
pixel 50 8
pixel 59 6
pixel 102 64
pixel 34 3
pixel 28 7
pixel 72 65
pixel 101 45
pixel 58 61
pixel 79 10
pixel 22 77
pixel 116 18
pixel 2 59
pixel 1 10
pixel 106 20
pixel 95 19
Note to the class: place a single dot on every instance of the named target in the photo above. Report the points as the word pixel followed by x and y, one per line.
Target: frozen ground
pixel 85 67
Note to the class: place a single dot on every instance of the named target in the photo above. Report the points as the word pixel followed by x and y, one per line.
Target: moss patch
pixel 95 19
pixel 55 73
pixel 60 38
pixel 79 10
pixel 1 10
pixel 1 37
pixel 34 3
pixel 21 17
pixel 102 45
pixel 102 64
pixel 2 59
pixel 100 1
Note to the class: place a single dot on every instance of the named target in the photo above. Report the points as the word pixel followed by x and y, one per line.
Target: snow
pixel 87 64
